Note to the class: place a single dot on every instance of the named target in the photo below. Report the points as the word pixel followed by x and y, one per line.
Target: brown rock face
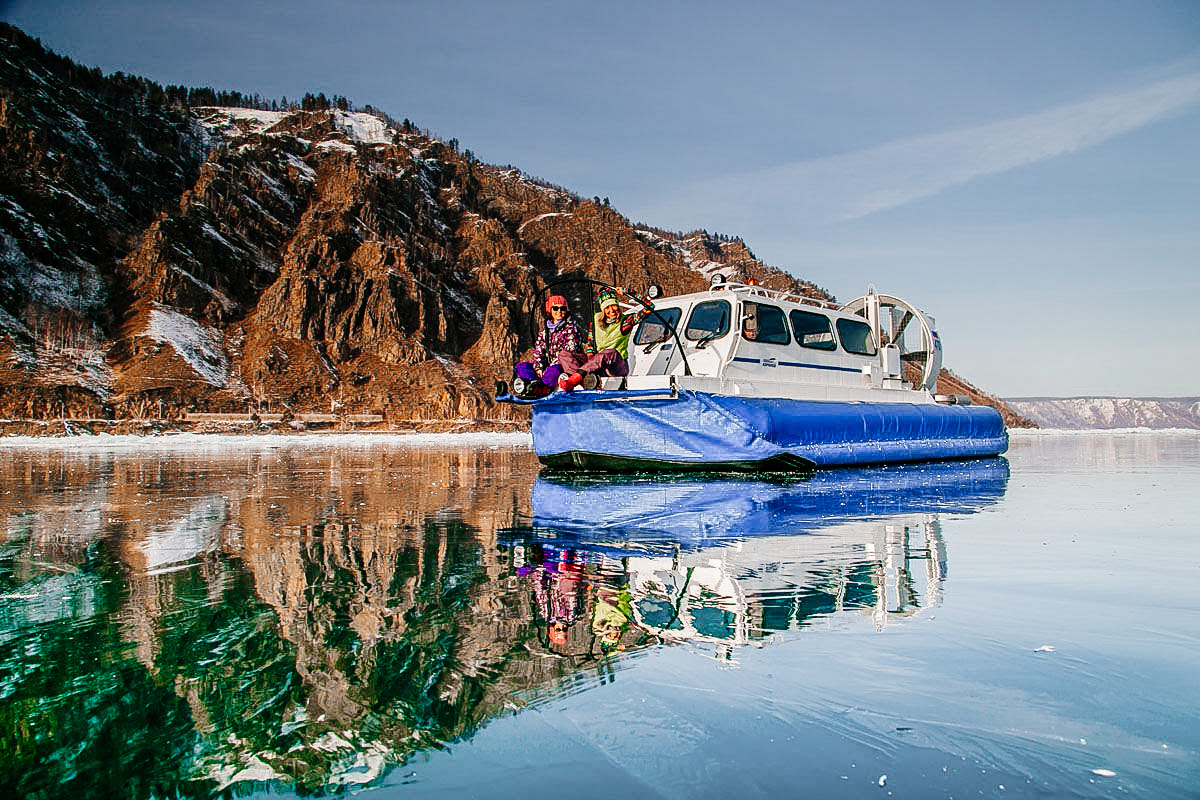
pixel 159 259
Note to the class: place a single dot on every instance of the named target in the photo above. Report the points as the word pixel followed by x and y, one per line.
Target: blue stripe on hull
pixel 704 429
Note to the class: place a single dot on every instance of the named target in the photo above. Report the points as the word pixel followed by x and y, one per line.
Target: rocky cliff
pixel 160 258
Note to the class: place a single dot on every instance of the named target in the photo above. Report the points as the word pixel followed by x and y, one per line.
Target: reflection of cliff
pixel 360 617
pixel 358 558
pixel 313 616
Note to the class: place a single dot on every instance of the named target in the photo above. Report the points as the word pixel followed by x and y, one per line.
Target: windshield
pixel 657 326
pixel 708 320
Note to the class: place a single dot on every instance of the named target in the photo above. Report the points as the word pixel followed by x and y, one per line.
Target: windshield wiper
pixel 666 336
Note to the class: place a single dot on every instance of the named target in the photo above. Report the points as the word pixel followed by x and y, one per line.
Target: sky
pixel 1026 172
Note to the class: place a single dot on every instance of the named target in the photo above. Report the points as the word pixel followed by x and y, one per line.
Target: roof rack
pixel 774 294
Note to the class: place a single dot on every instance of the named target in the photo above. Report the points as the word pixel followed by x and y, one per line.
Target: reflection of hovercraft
pixel 691 511
pixel 735 595
pixel 730 561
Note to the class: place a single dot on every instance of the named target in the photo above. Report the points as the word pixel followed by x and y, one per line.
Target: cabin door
pixel 654 346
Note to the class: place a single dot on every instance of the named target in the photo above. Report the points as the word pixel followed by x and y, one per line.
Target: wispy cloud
pixel 853 185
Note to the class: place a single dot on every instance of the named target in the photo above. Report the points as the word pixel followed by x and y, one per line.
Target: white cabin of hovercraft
pixel 754 341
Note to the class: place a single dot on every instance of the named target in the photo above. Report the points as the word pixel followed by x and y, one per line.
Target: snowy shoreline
pixel 492 440
pixel 225 441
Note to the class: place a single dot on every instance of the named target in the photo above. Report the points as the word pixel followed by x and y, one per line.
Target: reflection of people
pixel 612 329
pixel 560 334
pixel 576 592
pixel 611 617
pixel 558 590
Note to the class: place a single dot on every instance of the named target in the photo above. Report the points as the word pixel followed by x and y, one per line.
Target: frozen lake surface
pixel 412 617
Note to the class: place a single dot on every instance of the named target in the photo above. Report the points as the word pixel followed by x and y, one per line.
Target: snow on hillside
pixel 365 128
pixel 358 126
pixel 1075 413
pixel 202 348
pixel 540 217
pixel 244 120
pixel 335 144
pixel 666 246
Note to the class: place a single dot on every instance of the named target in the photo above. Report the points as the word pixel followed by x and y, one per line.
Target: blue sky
pixel 1027 172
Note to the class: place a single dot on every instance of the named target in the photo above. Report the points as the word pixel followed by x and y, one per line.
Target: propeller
pixel 906 326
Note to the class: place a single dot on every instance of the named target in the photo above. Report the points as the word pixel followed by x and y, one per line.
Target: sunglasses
pixel 558 308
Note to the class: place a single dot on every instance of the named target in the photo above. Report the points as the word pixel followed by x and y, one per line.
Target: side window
pixel 657 326
pixel 764 323
pixel 812 330
pixel 708 321
pixel 856 337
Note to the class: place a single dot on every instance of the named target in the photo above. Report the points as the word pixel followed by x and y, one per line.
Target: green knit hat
pixel 606 298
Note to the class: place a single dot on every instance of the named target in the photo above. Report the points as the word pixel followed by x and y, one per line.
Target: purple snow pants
pixel 548 378
pixel 606 362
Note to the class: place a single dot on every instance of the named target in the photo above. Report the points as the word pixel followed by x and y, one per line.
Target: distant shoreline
pixel 1034 432
pixel 1183 399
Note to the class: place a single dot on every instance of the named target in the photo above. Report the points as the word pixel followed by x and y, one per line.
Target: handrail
pixel 775 294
